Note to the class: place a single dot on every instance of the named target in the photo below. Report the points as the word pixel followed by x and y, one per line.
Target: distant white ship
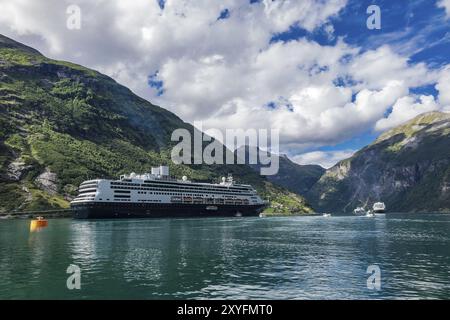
pixel 379 207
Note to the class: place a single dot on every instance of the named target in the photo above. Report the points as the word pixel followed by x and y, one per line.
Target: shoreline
pixel 53 215
pixel 68 214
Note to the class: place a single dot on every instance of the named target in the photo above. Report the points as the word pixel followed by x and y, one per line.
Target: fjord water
pixel 231 258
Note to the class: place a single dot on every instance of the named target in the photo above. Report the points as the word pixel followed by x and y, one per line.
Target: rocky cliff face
pixel 407 167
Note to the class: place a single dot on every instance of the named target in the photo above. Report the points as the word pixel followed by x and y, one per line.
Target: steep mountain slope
pixel 407 167
pixel 61 123
pixel 294 177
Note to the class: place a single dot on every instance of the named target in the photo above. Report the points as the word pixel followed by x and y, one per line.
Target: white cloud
pixel 375 68
pixel 308 14
pixel 214 84
pixel 446 5
pixel 319 115
pixel 326 159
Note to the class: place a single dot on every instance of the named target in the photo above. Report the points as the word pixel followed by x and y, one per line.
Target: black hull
pixel 102 210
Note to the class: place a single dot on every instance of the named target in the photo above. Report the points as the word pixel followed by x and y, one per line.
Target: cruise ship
pixel 157 195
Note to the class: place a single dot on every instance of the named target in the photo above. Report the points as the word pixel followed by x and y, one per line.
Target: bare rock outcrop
pixel 17 169
pixel 47 181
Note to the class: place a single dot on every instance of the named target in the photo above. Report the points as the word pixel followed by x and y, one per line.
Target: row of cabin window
pixel 178 194
pixel 198 191
pixel 179 186
pixel 184 188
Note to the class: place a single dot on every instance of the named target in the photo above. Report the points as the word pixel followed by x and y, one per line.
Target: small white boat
pixel 379 207
pixel 359 211
pixel 370 214
pixel 326 215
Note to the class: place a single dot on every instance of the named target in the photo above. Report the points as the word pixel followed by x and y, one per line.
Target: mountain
pixel 292 176
pixel 407 167
pixel 295 177
pixel 61 123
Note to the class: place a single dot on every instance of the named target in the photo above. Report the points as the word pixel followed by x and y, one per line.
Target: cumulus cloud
pixel 320 114
pixel 326 159
pixel 227 72
pixel 375 68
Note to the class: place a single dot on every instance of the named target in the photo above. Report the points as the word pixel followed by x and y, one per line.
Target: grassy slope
pixel 81 124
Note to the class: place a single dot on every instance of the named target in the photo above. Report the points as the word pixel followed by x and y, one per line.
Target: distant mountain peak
pixel 293 176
